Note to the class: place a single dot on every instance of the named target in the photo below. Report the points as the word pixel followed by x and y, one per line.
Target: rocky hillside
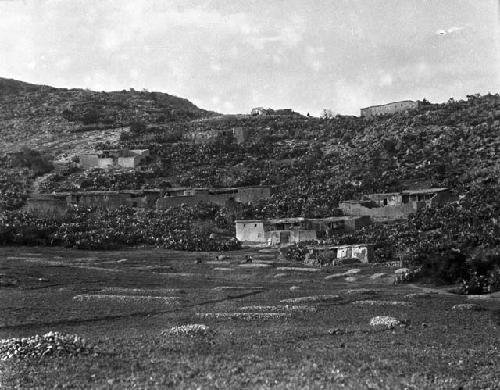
pixel 44 117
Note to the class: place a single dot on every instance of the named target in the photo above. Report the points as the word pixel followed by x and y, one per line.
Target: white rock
pixel 387 322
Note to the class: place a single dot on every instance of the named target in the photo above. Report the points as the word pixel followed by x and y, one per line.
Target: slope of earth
pixel 42 117
pixel 258 327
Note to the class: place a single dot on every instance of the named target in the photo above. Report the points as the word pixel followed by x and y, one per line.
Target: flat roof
pixel 424 191
pixel 336 246
pixel 300 219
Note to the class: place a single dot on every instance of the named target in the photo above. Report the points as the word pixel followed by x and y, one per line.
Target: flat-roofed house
pixel 397 205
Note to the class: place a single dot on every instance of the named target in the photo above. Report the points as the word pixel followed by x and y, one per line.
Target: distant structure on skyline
pixel 389 108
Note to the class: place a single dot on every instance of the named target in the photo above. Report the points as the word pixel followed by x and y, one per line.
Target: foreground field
pixel 268 326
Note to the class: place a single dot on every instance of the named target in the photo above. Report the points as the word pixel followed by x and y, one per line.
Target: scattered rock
pixel 401 271
pixel 377 275
pixel 350 279
pixel 244 316
pixel 280 275
pixel 382 303
pixel 49 344
pixel 189 330
pixel 222 269
pixel 294 288
pixel 384 322
pixel 126 298
pixel 353 271
pixel 278 308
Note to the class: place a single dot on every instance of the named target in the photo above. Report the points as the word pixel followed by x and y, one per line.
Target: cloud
pixel 450 30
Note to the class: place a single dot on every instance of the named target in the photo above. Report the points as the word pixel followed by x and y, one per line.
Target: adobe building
pixel 113 158
pixel 274 231
pixel 219 196
pixel 363 252
pixel 58 204
pixel 396 205
pixel 389 108
pixel 284 231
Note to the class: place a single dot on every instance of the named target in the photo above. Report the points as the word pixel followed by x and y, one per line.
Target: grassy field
pixel 118 302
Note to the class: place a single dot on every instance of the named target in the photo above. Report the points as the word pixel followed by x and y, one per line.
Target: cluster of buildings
pixel 57 204
pixel 356 215
pixel 113 158
pixel 396 205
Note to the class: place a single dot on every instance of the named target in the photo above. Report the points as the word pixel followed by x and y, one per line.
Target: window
pixel 255 225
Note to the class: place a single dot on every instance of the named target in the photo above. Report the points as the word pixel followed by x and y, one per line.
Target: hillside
pixel 44 117
pixel 313 164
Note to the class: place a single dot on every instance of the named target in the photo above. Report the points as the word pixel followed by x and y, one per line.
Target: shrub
pixel 447 266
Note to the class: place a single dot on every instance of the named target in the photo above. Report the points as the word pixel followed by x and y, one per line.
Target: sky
pixel 229 56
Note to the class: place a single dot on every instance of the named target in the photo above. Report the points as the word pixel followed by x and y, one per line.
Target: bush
pixel 446 266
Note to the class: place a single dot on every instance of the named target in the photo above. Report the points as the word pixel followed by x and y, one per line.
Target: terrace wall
pixel 47 206
pixel 387 212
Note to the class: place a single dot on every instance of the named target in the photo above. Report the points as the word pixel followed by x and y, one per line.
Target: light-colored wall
pixel 392 199
pixel 252 194
pixel 363 253
pixel 47 206
pixel 388 212
pixel 302 235
pixel 88 161
pixel 250 231
pixel 105 163
pixel 128 162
